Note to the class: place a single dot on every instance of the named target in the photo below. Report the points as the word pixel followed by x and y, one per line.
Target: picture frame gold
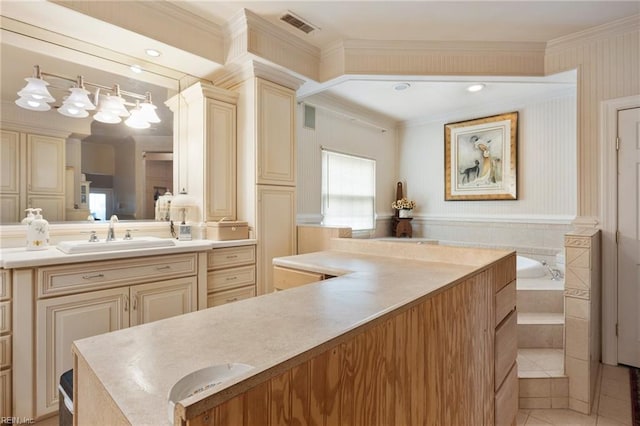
pixel 481 158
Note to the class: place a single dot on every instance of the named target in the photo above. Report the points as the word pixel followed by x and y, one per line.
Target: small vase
pixel 405 213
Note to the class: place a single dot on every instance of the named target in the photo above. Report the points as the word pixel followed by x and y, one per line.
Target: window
pixel 348 190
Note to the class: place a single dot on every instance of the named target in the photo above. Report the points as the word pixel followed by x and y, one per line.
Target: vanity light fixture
pixel 476 87
pixel 111 105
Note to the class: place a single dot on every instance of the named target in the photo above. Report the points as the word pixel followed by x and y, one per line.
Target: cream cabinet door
pixel 45 165
pixel 276 229
pixel 276 147
pixel 5 393
pixel 52 206
pixel 221 160
pixel 156 301
pixel 59 322
pixel 10 162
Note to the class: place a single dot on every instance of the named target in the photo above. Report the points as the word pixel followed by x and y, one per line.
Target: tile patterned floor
pixel 612 408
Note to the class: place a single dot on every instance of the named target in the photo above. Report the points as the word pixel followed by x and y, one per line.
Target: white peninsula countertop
pixel 138 366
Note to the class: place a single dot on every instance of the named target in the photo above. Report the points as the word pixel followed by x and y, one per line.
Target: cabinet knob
pixel 126 303
pixel 162 268
pixel 233 299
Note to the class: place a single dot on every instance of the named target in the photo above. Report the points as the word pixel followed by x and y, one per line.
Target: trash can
pixel 65 399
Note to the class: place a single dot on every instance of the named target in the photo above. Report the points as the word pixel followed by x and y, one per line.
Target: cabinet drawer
pixel 506 407
pixel 506 347
pixel 5 351
pixel 285 278
pixel 505 302
pixel 66 279
pixel 228 296
pixel 5 393
pixel 226 279
pixel 5 317
pixel 5 285
pixel 231 256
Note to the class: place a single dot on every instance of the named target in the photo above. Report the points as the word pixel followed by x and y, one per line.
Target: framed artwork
pixel 481 158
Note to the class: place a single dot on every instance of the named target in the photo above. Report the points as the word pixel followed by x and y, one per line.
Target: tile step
pixel 540 363
pixel 540 318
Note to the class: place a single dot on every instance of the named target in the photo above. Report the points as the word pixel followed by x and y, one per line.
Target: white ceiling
pixel 522 21
pixel 514 21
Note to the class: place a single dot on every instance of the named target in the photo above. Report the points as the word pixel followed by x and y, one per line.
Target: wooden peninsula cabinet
pixel 406 334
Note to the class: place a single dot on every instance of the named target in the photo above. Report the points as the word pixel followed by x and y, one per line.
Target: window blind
pixel 348 190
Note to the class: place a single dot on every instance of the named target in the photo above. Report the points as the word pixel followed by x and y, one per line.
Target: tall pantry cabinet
pixel 267 165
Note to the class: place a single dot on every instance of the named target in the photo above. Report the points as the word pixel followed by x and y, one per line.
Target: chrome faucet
pixel 111 233
pixel 556 274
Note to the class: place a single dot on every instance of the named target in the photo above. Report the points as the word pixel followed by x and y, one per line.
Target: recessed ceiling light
pixel 136 68
pixel 152 52
pixel 401 86
pixel 475 87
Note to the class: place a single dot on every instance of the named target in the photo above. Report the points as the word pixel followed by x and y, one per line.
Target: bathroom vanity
pixel 421 328
pixel 50 298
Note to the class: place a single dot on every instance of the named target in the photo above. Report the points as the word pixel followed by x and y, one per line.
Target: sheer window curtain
pixel 348 190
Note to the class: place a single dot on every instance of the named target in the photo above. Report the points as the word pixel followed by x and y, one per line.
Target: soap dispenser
pixel 38 232
pixel 27 220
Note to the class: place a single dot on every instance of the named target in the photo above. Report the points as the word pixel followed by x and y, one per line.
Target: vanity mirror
pixel 73 166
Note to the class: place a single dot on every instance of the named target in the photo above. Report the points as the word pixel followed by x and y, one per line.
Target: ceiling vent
pixel 298 22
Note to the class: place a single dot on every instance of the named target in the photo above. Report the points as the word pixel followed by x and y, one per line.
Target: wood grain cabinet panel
pixel 507 399
pixel 505 302
pixel 506 347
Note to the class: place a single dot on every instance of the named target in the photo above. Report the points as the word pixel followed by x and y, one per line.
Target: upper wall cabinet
pixel 276 146
pixel 205 148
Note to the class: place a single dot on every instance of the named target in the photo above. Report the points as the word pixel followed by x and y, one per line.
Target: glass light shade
pixel 32 104
pixel 36 89
pixel 149 112
pixel 107 117
pixel 73 111
pixel 183 208
pixel 115 104
pixel 79 99
pixel 137 120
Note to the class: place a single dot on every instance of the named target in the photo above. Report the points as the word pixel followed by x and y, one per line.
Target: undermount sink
pixel 74 247
pixel 203 380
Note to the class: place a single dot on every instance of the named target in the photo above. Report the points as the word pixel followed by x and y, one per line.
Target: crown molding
pixel 611 29
pixel 252 67
pixel 200 90
pixel 256 22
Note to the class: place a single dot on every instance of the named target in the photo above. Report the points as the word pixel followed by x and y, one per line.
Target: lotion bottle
pixel 29 218
pixel 38 232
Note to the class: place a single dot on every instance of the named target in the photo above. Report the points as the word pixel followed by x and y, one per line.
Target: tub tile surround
pixel 582 316
pixel 538 240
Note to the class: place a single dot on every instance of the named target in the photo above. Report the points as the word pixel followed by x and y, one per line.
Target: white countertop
pixel 23 258
pixel 138 366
